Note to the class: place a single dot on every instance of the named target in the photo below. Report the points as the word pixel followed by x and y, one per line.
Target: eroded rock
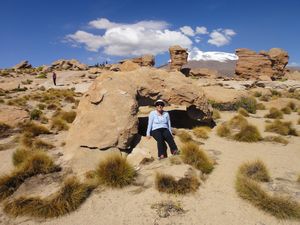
pixel 261 66
pixel 178 57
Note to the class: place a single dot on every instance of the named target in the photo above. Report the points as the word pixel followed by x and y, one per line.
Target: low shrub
pixel 248 103
pixel 201 132
pixel 265 98
pixel 243 112
pixel 168 184
pixel 59 124
pixel 260 106
pixel 277 139
pixel 66 200
pixel 257 94
pixel 292 106
pixel 34 128
pixel 41 106
pixel 167 208
pixel 238 122
pixel 35 114
pixel 191 154
pixel 255 170
pixel 36 163
pixel 274 113
pixel 216 114
pixel 282 128
pixel 223 130
pixel 275 93
pixel 278 206
pixel 69 117
pixel 248 133
pixel 115 171
pixel 184 136
pixel 5 129
pixel 41 76
pixel 286 110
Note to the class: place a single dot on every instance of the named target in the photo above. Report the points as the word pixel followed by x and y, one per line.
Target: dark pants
pixel 54 81
pixel 161 135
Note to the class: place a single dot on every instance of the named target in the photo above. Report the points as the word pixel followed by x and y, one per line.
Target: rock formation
pixel 204 73
pixel 145 60
pixel 23 65
pixel 12 115
pixel 72 64
pixel 261 66
pixel 178 56
pixel 107 114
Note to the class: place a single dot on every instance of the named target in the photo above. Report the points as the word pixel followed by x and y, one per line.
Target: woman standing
pixel 159 127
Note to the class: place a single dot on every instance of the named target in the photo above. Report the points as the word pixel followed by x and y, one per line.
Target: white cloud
pixel 201 30
pixel 197 54
pixel 144 37
pixel 92 42
pixel 103 23
pixel 221 37
pixel 197 39
pixel 187 30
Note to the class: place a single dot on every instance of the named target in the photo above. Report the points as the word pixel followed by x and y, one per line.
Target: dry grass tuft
pixel 115 171
pixel 59 124
pixel 69 117
pixel 20 155
pixel 243 112
pixel 292 106
pixel 286 110
pixel 4 129
pixel 36 163
pixel 40 144
pixel 238 122
pixel 191 154
pixel 298 180
pixel 277 139
pixel 280 207
pixel 248 133
pixel 168 184
pixel 282 128
pixel 256 170
pixel 216 114
pixel 184 136
pixel 175 160
pixel 274 113
pixel 34 128
pixel 260 106
pixel 66 200
pixel 201 132
pixel 223 130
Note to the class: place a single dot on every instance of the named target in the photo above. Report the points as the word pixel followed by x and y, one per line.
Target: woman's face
pixel 159 107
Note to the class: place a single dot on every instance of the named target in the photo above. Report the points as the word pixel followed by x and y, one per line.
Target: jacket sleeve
pixel 150 121
pixel 169 123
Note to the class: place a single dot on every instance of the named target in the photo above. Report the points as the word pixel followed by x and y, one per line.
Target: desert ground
pixel 216 201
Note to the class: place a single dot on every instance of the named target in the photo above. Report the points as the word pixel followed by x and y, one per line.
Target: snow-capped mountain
pixel 198 55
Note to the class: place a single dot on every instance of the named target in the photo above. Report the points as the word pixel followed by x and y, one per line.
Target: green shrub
pixel 191 154
pixel 41 76
pixel 36 114
pixel 248 103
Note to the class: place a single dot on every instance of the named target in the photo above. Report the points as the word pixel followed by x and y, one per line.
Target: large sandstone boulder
pixel 261 66
pixel 12 115
pixel 107 114
pixel 178 56
pixel 23 65
pixel 72 64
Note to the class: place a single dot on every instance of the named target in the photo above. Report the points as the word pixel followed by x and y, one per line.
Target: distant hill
pixel 226 68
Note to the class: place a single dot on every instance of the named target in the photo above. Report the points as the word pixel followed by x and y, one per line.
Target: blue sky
pixel 94 31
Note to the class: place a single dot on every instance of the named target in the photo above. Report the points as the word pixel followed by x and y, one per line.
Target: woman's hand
pixel 148 137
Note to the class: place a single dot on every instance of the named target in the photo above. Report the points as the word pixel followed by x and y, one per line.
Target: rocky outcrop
pixel 12 115
pixel 178 57
pixel 107 114
pixel 72 64
pixel 204 73
pixel 261 66
pixel 23 65
pixel 145 60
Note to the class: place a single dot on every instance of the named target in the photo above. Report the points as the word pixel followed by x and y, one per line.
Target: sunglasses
pixel 160 104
